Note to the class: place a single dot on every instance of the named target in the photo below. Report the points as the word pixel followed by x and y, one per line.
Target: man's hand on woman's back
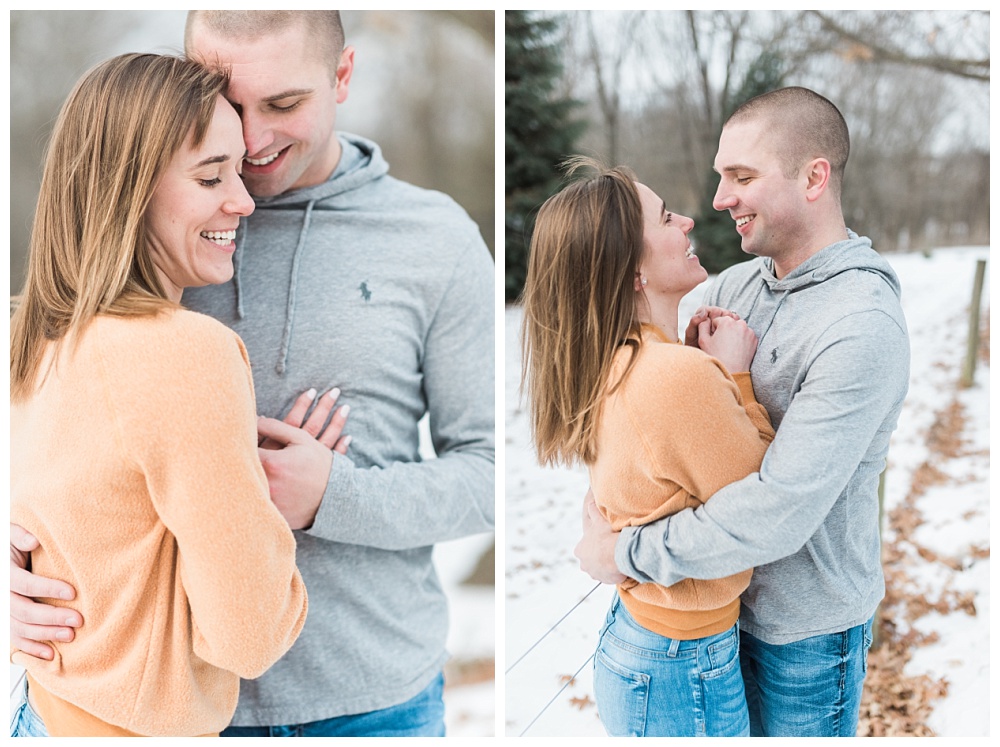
pixel 32 623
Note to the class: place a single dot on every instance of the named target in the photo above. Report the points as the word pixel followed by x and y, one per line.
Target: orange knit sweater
pixel 135 465
pixel 679 428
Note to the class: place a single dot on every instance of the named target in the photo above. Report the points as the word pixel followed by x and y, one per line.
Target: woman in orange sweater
pixel 661 427
pixel 133 428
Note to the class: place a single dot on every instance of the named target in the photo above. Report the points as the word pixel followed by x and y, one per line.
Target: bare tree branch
pixel 869 48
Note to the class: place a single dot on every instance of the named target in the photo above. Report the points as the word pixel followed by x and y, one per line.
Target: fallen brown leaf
pixel 582 702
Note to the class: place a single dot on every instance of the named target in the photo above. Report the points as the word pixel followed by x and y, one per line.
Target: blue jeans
pixel 24 722
pixel 810 688
pixel 647 685
pixel 421 716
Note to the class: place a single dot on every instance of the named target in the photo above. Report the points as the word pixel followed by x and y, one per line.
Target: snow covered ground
pixel 549 691
pixel 470 709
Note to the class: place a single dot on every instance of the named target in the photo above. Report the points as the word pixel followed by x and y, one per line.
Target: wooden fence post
pixel 972 349
pixel 876 627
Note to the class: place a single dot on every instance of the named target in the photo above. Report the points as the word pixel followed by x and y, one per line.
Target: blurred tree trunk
pixel 48 53
pixel 608 56
pixel 483 22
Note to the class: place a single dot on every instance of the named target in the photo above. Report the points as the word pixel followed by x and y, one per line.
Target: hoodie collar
pixel 361 161
pixel 853 253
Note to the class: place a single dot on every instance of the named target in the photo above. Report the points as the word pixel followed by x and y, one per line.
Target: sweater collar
pixel 651 330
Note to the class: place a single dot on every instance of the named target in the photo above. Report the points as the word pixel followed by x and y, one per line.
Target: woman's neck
pixel 662 313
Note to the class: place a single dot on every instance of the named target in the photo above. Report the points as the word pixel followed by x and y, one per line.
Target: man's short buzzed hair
pixel 324 27
pixel 803 126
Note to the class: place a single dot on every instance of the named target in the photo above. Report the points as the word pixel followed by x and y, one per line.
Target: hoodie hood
pixel 361 161
pixel 853 253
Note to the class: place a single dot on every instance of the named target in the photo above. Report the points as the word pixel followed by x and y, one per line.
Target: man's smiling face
pixel 768 206
pixel 287 97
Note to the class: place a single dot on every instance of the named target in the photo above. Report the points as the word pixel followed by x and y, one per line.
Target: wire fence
pixel 534 645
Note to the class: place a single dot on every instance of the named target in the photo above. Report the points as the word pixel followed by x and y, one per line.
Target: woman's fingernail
pixel 311 394
pixel 333 393
pixel 344 410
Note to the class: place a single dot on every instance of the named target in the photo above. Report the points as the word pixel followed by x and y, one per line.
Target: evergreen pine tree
pixel 539 132
pixel 718 243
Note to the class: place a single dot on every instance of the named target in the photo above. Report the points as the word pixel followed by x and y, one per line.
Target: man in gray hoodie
pixel 348 280
pixel 832 369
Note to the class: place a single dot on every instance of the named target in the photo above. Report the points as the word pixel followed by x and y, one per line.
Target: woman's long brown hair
pixel 117 131
pixel 579 306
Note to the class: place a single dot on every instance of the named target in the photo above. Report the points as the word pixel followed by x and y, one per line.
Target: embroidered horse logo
pixel 365 293
pixel 774 355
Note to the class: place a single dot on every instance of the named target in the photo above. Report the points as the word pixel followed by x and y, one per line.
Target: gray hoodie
pixel 832 369
pixel 384 290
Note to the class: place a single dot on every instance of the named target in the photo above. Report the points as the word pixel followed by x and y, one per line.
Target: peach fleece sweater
pixel 135 465
pixel 676 430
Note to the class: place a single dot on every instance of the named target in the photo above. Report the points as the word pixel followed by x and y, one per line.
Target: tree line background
pixel 423 89
pixel 651 89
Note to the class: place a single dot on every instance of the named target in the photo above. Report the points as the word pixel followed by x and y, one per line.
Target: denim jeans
pixel 421 716
pixel 24 722
pixel 810 688
pixel 649 685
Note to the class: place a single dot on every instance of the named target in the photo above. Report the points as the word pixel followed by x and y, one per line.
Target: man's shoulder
pixel 414 201
pixel 410 218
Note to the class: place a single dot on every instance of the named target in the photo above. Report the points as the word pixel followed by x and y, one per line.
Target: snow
pixel 469 709
pixel 542 525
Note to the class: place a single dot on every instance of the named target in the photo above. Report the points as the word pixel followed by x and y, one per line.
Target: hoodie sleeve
pixel 415 504
pixel 849 399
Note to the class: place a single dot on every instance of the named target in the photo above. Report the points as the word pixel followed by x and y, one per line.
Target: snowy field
pixel 944 559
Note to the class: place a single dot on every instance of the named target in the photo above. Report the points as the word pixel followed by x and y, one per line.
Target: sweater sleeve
pixel 416 504
pixel 702 429
pixel 832 421
pixel 185 407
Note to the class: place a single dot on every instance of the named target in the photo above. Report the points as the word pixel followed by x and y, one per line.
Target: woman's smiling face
pixel 196 208
pixel 668 264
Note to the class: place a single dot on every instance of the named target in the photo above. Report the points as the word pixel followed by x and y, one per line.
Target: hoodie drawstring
pixel 238 265
pixel 286 336
pixel 774 315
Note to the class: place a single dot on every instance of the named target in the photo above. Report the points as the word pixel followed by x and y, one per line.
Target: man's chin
pixel 263 186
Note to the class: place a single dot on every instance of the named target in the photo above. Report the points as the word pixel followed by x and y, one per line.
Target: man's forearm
pixel 774 512
pixel 408 505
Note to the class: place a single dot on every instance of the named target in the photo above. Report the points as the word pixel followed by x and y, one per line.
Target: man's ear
pixel 345 68
pixel 817 173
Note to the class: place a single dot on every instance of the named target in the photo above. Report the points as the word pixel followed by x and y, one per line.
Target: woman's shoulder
pixel 172 338
pixel 178 324
pixel 657 358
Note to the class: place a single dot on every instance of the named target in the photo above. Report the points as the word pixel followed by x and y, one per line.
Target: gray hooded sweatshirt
pixel 385 290
pixel 832 369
